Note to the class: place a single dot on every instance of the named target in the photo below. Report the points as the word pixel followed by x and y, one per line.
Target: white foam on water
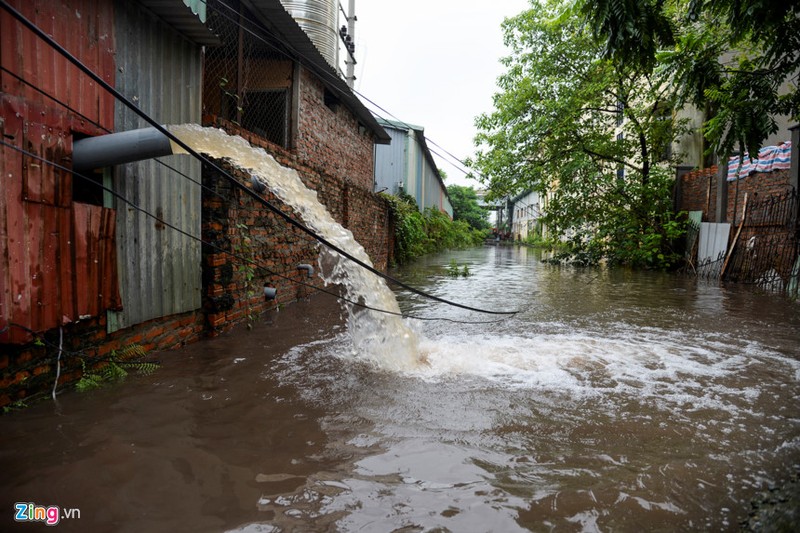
pixel 380 338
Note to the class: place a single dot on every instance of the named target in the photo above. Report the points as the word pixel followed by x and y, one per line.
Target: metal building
pixel 406 164
pixel 72 250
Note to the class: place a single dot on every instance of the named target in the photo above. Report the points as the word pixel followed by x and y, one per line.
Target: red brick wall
pixel 330 141
pixel 699 192
pixel 273 243
pixel 30 369
pixel 234 222
pixel 756 186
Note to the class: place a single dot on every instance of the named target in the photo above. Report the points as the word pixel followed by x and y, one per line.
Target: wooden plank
pixel 736 238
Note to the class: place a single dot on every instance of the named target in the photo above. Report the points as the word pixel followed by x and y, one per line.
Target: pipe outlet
pixel 270 293
pixel 308 268
pixel 118 148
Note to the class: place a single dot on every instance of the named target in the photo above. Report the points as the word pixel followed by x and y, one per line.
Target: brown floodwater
pixel 615 401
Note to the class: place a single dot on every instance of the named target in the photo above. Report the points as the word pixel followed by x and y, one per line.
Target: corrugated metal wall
pixel 404 160
pixel 390 161
pixel 160 269
pixel 54 252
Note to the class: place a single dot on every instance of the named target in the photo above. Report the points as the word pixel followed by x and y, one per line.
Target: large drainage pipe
pixel 118 148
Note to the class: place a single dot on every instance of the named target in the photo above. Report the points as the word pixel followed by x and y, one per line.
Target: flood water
pixel 614 401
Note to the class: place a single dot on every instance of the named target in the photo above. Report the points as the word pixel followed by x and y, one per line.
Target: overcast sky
pixel 433 63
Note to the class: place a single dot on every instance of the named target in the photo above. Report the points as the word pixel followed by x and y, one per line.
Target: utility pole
pixel 350 43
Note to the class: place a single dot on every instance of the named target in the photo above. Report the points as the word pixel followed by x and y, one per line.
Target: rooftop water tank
pixel 319 20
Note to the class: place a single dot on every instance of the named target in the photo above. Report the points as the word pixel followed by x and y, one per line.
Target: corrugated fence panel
pixel 160 269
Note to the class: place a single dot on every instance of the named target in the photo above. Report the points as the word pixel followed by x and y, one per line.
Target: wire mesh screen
pixel 248 80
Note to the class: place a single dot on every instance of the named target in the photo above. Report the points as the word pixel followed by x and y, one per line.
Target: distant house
pixel 525 213
pixel 407 165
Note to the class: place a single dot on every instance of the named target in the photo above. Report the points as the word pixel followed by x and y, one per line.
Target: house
pixel 526 211
pixel 406 165
pixel 130 253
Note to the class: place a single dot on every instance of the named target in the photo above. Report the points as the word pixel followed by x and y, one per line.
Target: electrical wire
pixel 234 255
pixel 306 62
pixel 231 179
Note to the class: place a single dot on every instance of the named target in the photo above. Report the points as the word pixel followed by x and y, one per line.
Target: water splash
pixel 383 339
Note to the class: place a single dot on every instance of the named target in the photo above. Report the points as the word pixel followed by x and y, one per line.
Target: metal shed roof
pixel 181 17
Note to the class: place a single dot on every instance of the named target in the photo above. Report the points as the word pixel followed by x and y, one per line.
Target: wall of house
pixel 160 269
pixel 331 141
pixel 64 246
pixel 57 254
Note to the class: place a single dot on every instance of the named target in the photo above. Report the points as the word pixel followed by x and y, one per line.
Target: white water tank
pixel 319 19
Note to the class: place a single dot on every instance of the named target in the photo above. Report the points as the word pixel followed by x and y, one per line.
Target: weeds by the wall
pixel 417 234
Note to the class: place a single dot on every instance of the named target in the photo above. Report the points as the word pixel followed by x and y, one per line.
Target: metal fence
pixel 248 79
pixel 764 247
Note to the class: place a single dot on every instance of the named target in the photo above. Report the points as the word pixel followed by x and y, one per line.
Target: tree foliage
pixel 590 133
pixel 465 207
pixel 739 60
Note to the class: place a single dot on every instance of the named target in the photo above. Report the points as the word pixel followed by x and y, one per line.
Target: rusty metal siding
pixel 39 267
pixel 160 269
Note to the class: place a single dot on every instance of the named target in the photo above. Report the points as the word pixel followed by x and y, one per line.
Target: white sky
pixel 433 63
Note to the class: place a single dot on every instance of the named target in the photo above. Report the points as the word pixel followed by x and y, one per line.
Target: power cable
pixel 231 179
pixel 300 56
pixel 234 255
pixel 282 275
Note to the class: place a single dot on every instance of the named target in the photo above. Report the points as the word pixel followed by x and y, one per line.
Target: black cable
pixel 232 180
pixel 262 269
pixel 99 126
pixel 300 56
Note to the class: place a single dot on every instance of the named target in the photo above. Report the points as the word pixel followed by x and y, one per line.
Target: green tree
pixel 465 207
pixel 737 60
pixel 572 124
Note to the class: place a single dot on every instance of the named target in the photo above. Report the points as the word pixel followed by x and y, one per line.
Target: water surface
pixel 615 401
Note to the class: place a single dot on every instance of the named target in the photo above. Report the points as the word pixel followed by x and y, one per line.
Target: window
pixel 331 101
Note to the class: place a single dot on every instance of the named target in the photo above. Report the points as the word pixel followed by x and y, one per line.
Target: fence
pixel 764 247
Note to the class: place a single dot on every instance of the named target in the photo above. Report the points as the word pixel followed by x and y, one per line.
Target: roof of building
pixel 274 17
pixel 188 21
pixel 419 132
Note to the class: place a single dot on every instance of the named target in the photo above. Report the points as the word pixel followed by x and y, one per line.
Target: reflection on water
pixel 613 401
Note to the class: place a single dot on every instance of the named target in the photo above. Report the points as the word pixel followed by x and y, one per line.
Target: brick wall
pixel 234 222
pixel 330 140
pixel 273 244
pixel 30 369
pixel 699 192
pixel 756 186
